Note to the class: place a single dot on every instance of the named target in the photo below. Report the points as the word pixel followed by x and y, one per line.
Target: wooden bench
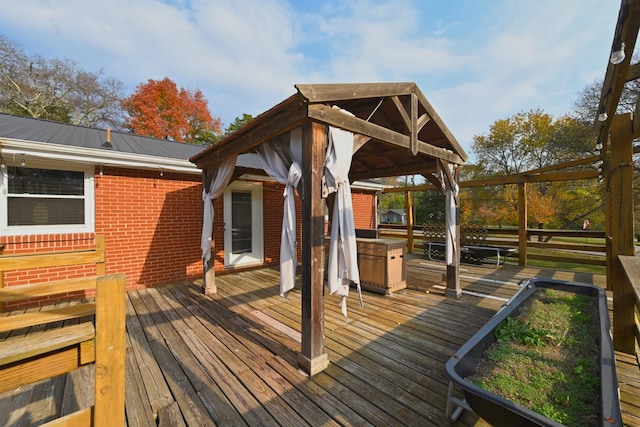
pixel 93 332
pixel 473 243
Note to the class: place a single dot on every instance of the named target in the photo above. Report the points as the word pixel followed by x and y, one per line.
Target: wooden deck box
pixel 382 264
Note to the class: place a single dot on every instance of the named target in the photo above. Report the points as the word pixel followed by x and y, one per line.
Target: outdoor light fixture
pixel 599 145
pixel 618 55
pixel 23 162
pixel 161 172
pixel 101 173
pixel 602 114
pixel 3 165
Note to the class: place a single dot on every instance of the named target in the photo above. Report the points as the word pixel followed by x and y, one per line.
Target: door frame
pixel 256 256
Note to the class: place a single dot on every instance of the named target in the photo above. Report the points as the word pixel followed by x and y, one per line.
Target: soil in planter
pixel 546 359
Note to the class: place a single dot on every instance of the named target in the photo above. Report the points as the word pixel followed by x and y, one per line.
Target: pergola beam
pixel 329 92
pixel 389 171
pixel 260 132
pixel 333 117
pixel 618 74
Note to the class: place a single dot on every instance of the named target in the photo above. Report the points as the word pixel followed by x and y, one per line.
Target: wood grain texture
pixel 216 362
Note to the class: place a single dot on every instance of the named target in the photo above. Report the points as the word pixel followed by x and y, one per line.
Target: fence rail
pixel 540 239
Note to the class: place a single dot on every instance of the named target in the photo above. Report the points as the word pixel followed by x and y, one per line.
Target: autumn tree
pixel 161 110
pixel 490 205
pixel 541 207
pixel 56 89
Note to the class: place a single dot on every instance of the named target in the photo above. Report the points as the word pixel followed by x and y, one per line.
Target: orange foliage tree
pixel 159 109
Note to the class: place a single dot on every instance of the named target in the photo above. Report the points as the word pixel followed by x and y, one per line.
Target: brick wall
pixel 363 210
pixel 152 226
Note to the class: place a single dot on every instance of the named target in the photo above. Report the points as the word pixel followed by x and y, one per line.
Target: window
pixel 47 198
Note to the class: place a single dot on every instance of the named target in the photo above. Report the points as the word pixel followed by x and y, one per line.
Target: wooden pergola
pixel 616 133
pixel 397 132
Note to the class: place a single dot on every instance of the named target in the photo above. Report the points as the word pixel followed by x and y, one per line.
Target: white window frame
pixel 89 200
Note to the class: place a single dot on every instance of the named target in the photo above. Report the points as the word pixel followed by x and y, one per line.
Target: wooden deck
pixel 232 359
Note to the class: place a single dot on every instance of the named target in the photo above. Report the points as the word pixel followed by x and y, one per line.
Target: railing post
pixel 101 267
pixel 619 218
pixel 522 223
pixel 110 351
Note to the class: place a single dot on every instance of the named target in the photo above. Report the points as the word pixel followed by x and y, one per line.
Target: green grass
pixel 561 265
pixel 580 240
pixel 546 358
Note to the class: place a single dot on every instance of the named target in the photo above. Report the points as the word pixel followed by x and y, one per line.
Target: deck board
pixel 231 359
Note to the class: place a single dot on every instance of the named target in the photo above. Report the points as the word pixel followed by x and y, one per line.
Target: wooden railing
pixel 626 307
pixel 57 259
pixel 93 332
pixel 536 238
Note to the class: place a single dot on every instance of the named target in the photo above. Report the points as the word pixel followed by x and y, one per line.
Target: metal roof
pixel 38 130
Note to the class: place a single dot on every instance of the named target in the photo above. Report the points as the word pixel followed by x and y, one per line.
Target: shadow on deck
pixel 232 359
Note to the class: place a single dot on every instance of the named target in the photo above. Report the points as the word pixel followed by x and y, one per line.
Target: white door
pixel 243 236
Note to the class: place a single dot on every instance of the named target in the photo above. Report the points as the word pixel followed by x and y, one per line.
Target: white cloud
pixel 475 62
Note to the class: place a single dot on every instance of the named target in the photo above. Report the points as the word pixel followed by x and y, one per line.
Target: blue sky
pixel 475 61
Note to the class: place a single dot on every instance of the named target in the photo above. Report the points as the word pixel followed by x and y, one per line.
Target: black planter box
pixel 502 412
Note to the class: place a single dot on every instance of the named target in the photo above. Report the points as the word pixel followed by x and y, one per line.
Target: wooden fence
pixel 536 238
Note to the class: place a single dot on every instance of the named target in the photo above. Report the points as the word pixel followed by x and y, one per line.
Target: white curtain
pixel 451 195
pixel 343 261
pixel 221 177
pixel 276 168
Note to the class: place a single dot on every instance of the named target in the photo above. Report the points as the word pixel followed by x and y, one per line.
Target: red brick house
pixel 63 184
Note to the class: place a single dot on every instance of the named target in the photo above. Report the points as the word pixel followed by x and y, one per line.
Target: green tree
pixel 238 123
pixel 528 140
pixel 429 206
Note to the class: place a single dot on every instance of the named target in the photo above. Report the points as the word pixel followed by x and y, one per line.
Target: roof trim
pixel 103 157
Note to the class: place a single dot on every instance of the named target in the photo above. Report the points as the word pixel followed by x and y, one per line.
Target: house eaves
pixel 13 149
pixel 30 137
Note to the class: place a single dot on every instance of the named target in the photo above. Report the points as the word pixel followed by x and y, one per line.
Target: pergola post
pixel 409 215
pixel 522 223
pixel 452 225
pixel 208 268
pixel 209 284
pixel 312 359
pixel 619 220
